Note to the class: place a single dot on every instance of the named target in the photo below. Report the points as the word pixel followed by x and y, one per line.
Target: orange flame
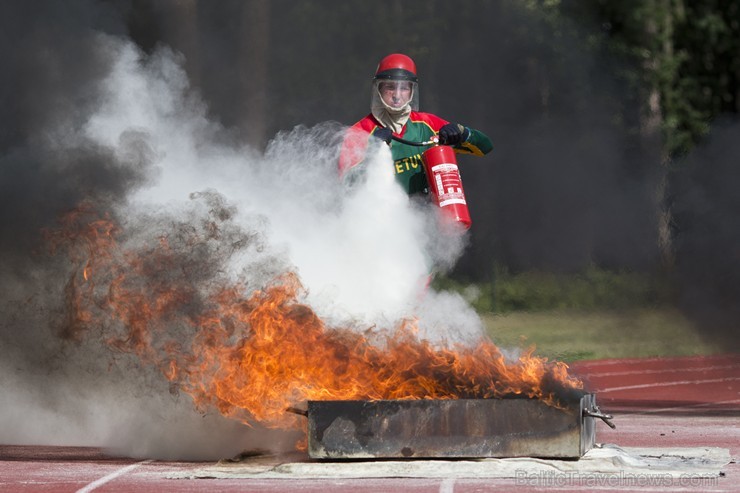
pixel 252 356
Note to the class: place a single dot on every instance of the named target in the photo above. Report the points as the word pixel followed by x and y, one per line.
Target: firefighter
pixel 395 112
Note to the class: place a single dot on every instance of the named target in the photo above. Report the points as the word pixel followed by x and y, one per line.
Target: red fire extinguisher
pixel 445 184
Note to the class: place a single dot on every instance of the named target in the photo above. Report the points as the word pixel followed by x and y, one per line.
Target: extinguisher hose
pixel 433 141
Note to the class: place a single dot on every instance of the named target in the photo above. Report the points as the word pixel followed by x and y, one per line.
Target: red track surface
pixel 673 402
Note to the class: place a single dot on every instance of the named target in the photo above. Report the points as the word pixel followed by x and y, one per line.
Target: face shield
pixel 396 95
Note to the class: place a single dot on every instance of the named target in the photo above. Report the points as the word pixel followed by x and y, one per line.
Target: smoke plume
pixel 132 141
pixel 706 208
pixel 98 111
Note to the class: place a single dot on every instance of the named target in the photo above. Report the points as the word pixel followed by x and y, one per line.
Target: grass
pixel 590 289
pixel 571 335
pixel 592 314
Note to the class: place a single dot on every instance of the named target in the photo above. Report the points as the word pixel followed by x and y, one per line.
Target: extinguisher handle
pixel 433 141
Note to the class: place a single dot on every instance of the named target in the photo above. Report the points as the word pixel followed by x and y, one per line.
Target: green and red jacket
pixel 407 160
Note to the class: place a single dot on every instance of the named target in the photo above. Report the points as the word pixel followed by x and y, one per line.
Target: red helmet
pixel 396 67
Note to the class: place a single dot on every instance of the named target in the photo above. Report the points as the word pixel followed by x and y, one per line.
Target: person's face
pixel 395 93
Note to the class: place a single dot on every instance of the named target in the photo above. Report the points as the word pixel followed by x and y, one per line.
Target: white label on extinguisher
pixel 449 185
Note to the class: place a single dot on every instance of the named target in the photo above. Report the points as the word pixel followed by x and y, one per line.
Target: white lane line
pixel 110 477
pixel 447 486
pixel 641 361
pixel 668 384
pixel 666 370
pixel 689 406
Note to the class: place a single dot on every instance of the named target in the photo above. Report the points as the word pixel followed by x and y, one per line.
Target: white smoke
pixel 363 252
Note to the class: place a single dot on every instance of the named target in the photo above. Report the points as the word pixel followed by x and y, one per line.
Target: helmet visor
pixel 396 94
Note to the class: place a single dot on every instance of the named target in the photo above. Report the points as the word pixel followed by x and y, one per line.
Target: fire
pixel 252 354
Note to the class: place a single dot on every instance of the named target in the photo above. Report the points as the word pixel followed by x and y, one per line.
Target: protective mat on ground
pixel 696 462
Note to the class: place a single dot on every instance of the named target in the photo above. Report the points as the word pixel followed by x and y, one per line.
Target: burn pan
pixel 455 428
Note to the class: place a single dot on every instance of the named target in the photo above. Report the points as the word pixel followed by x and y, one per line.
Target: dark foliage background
pixel 603 116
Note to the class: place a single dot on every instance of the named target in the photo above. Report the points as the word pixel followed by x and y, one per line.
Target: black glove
pixel 453 134
pixel 384 134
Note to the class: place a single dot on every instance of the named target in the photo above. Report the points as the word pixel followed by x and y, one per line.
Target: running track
pixel 671 402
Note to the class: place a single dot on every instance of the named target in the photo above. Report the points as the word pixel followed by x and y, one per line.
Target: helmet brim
pixel 396 74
